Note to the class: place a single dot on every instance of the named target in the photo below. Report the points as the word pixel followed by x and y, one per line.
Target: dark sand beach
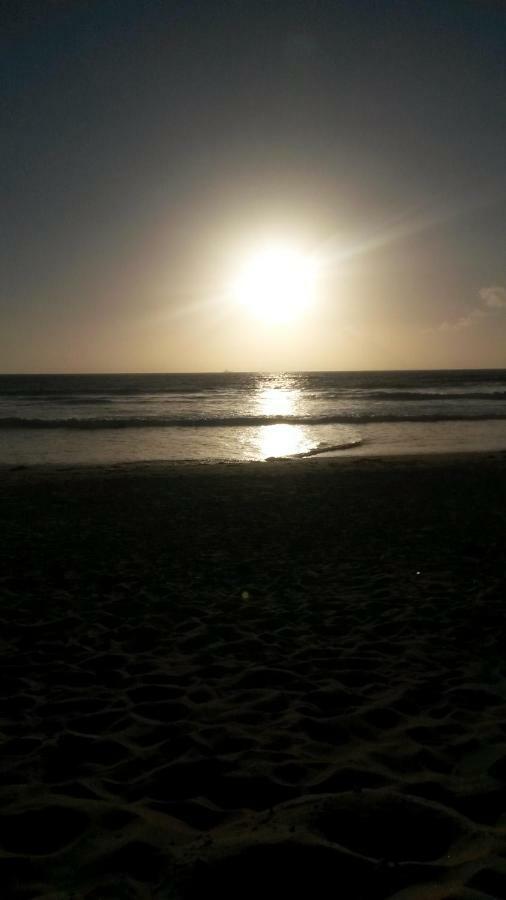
pixel 265 680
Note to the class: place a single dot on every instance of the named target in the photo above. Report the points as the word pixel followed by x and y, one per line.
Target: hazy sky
pixel 148 147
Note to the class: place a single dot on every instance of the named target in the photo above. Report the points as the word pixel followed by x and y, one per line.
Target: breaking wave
pixel 90 423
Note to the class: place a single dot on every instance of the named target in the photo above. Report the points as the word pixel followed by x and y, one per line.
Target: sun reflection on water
pixel 282 440
pixel 278 400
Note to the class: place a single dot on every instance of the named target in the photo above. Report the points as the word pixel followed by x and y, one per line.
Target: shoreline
pixel 160 467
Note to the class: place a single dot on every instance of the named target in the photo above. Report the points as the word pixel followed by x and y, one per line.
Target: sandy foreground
pixel 254 681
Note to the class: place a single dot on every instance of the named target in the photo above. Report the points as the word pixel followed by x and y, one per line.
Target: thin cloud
pixel 494 297
pixel 491 301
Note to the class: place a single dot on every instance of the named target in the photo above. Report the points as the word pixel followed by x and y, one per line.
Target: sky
pixel 149 148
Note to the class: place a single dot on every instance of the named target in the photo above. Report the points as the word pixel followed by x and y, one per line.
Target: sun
pixel 276 283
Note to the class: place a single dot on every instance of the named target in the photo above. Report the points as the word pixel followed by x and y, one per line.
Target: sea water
pixel 248 416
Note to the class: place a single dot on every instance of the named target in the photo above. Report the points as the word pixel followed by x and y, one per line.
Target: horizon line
pixel 252 372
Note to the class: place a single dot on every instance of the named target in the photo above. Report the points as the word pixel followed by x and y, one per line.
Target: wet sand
pixel 268 680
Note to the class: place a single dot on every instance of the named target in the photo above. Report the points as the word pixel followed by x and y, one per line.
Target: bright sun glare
pixel 276 284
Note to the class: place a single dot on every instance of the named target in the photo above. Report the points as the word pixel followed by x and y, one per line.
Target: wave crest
pixel 90 423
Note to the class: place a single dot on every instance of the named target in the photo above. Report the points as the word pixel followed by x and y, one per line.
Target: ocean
pixel 74 419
